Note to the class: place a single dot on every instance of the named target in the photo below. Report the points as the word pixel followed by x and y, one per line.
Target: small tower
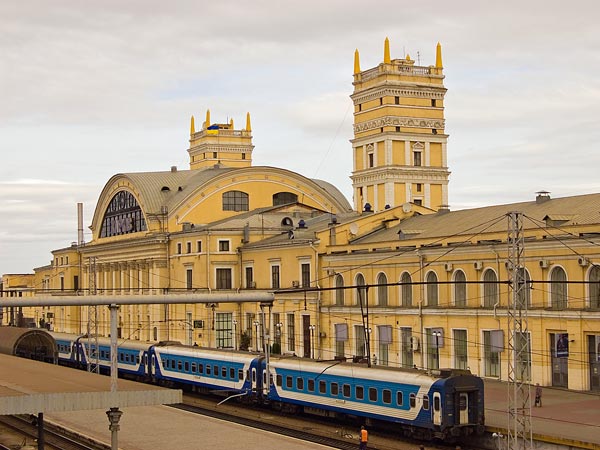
pixel 399 145
pixel 220 143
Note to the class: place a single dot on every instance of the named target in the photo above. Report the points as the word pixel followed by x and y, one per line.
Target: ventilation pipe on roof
pixel 173 168
pixel 542 196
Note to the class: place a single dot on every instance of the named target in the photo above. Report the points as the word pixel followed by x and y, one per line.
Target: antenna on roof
pixel 418 58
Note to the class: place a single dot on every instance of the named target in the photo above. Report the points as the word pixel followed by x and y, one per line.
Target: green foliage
pixel 244 341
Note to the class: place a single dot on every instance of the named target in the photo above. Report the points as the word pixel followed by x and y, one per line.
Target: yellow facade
pixel 227 226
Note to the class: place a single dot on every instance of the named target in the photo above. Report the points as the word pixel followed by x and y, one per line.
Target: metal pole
pixel 40 431
pixel 114 415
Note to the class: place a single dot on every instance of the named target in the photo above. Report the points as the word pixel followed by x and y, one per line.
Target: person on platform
pixel 363 438
pixel 538 395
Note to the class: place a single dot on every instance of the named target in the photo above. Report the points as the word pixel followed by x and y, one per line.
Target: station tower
pixel 399 145
pixel 220 143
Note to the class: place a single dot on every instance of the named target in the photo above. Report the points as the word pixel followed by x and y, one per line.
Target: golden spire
pixel 438 56
pixel 356 62
pixel 231 124
pixel 207 123
pixel 386 52
pixel 407 57
pixel 192 127
pixel 248 127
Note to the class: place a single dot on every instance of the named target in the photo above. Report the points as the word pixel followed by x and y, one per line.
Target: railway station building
pixel 395 278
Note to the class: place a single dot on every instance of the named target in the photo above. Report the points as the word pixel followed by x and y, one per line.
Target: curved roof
pixel 29 342
pixel 171 188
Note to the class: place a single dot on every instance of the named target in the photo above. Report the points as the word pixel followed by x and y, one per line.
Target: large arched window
pixel 460 289
pixel 432 289
pixel 594 287
pixel 558 288
pixel 490 288
pixel 283 198
pixel 382 290
pixel 406 289
pixel 235 201
pixel 339 290
pixel 361 292
pixel 122 216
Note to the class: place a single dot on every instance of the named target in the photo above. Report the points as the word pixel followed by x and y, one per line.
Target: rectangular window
pixel 346 390
pixel 179 248
pixel 491 357
pixel 335 389
pixel 433 102
pixel 397 100
pixel 359 333
pixel 249 278
pixel 275 282
pixel 460 349
pixel 198 246
pixel 371 160
pixel 417 158
pixel 386 396
pixel 359 392
pixel 372 394
pixel 291 332
pixel 426 402
pixel 188 247
pixel 300 384
pixel 288 382
pixel 322 387
pixel 189 279
pixel 305 269
pixel 311 385
pixel 224 279
pixel 399 398
pixel 279 379
pixel 214 154
pixel 223 246
pixel 224 330
pixel 419 187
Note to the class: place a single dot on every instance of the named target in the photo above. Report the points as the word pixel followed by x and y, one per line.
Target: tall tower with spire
pixel 220 143
pixel 399 145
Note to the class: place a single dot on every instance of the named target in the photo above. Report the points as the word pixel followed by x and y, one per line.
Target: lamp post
pixel 499 437
pixel 256 325
pixel 312 340
pixel 437 336
pixel 234 323
pixel 278 336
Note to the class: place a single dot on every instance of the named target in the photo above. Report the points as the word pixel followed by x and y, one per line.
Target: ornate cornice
pixel 401 174
pixel 220 148
pixel 396 121
pixel 386 91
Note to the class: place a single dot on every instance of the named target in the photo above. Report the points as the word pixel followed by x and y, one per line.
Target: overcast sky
pixel 91 89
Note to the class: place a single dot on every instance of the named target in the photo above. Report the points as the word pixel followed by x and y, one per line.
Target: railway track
pixel 55 438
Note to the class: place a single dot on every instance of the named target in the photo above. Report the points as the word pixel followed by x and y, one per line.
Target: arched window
pixel 432 289
pixel 339 290
pixel 382 290
pixel 525 292
pixel 283 198
pixel 558 288
pixel 594 287
pixel 460 289
pixel 406 289
pixel 235 201
pixel 490 288
pixel 361 292
pixel 122 216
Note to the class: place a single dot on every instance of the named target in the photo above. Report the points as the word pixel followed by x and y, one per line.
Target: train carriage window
pixel 200 369
pixel 436 403
pixel 223 372
pixel 335 389
pixel 322 387
pixel 359 392
pixel 300 383
pixel 426 402
pixel 172 363
pixel 372 394
pixel 311 385
pixel 215 370
pixel 194 367
pixel 288 382
pixel 179 366
pixel 186 366
pixel 165 363
pixel 232 373
pixel 208 369
pixel 399 398
pixel 386 396
pixel 240 375
pixel 137 359
pixel 120 357
pixel 247 374
pixel 346 390
pixel 279 380
pixel 412 400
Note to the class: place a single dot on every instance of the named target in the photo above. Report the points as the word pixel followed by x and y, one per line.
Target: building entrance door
pixel 560 365
pixel 306 336
pixel 594 352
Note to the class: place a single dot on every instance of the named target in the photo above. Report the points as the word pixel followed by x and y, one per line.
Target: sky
pixel 91 89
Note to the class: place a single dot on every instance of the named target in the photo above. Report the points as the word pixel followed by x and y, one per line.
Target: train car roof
pixel 204 352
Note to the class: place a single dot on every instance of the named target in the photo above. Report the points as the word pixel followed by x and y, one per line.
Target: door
pixel 560 364
pixel 463 408
pixel 306 336
pixel 437 408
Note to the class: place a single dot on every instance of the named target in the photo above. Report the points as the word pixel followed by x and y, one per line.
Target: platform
pixel 566 417
pixel 31 387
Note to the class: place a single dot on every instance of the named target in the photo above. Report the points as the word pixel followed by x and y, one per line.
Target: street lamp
pixel 312 340
pixel 234 322
pixel 256 325
pixel 499 437
pixel 437 336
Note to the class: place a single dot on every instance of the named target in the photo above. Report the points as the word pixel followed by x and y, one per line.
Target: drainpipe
pixel 422 290
pixel 318 311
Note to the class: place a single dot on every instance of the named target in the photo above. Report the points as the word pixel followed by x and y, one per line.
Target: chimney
pixel 541 197
pixel 173 169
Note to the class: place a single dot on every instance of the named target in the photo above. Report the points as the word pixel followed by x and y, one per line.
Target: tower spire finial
pixel 356 62
pixel 386 52
pixel 207 123
pixel 192 127
pixel 248 126
pixel 438 56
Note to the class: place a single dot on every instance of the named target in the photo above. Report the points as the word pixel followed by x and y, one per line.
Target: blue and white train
pixel 446 404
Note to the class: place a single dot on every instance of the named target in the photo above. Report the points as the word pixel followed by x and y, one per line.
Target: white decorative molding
pixel 390 121
pixel 364 97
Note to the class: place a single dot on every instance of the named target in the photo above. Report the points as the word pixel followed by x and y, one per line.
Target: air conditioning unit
pixel 330 272
pixel 583 261
pixel 448 267
pixel 478 265
pixel 544 263
pixel 295 283
pixel 415 344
